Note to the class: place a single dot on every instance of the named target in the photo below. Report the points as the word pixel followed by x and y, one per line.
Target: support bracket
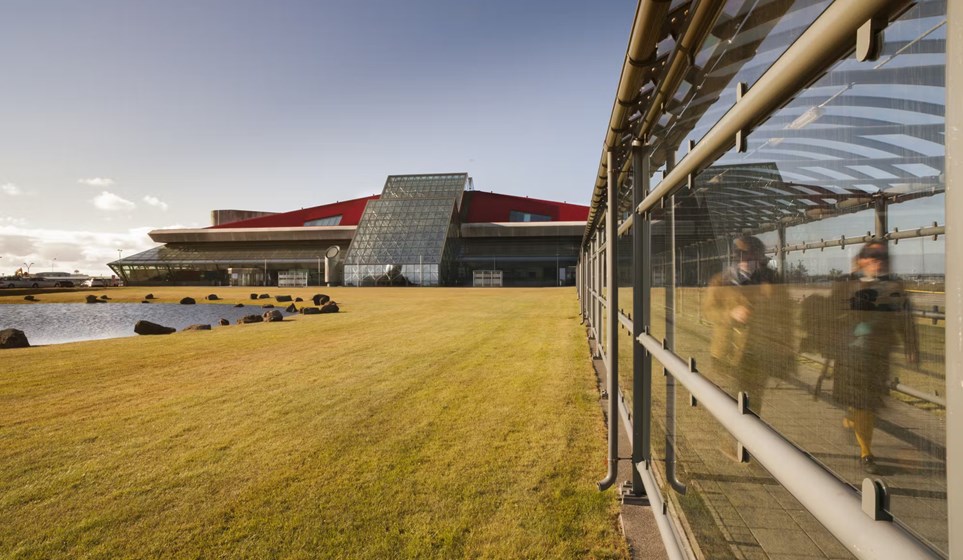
pixel 876 499
pixel 869 39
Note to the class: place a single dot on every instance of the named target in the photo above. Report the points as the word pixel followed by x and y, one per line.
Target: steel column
pixel 882 220
pixel 671 474
pixel 781 251
pixel 641 316
pixel 954 277
pixel 612 323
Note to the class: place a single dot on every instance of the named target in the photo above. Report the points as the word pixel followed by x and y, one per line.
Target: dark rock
pixel 264 296
pixel 145 301
pixel 224 322
pixel 29 298
pixel 146 327
pixel 188 301
pixel 198 327
pixel 238 305
pixel 212 297
pixel 283 299
pixel 272 316
pixel 310 311
pixel 253 296
pixel 320 299
pixel 291 308
pixel 250 319
pixel 330 307
pixel 104 297
pixel 13 338
pixel 92 299
pixel 149 296
pixel 267 306
pixel 299 300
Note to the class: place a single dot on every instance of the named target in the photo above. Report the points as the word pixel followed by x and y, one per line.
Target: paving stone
pixel 781 541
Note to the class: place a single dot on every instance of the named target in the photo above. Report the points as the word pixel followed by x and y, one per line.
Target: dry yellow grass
pixel 418 423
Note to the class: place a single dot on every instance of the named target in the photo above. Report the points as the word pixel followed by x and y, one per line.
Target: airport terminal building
pixel 422 230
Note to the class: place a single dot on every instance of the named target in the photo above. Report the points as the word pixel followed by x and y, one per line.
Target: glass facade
pixel 805 271
pixel 329 221
pixel 407 237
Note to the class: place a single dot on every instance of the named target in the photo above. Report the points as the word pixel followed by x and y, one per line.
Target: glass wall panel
pixel 747 38
pixel 839 339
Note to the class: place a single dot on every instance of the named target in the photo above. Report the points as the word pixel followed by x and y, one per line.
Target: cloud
pixel 97 181
pixel 154 201
pixel 11 189
pixel 86 251
pixel 12 221
pixel 112 203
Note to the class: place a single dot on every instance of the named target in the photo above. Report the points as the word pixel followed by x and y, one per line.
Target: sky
pixel 120 117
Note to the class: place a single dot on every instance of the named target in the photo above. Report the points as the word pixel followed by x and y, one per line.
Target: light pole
pixel 28 267
pixel 119 251
pixel 320 279
pixel 52 263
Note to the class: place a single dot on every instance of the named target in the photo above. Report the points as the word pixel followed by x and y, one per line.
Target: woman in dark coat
pixel 872 316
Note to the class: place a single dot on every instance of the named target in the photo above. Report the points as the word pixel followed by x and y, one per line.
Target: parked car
pixel 27 282
pixel 95 283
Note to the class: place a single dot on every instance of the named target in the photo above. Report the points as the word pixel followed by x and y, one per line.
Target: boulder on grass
pixel 291 308
pixel 330 307
pixel 13 338
pixel 212 297
pixel 29 298
pixel 149 296
pixel 320 299
pixel 253 296
pixel 104 297
pixel 250 319
pixel 268 306
pixel 145 301
pixel 224 322
pixel 188 301
pixel 198 327
pixel 299 300
pixel 93 299
pixel 146 328
pixel 273 316
pixel 264 296
pixel 310 311
pixel 238 305
pixel 283 299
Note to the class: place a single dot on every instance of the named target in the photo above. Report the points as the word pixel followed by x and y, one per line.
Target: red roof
pixel 493 207
pixel 350 211
pixel 477 207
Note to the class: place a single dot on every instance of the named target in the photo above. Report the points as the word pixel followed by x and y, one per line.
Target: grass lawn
pixel 417 423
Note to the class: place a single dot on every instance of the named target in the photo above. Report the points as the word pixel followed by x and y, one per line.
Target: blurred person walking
pixel 750 312
pixel 873 314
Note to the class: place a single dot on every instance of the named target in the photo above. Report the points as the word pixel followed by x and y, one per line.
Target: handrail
pixel 832 502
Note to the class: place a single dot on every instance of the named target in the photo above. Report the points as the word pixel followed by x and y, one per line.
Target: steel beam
pixel 954 276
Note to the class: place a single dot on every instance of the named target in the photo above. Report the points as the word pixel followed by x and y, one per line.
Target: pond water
pixel 56 323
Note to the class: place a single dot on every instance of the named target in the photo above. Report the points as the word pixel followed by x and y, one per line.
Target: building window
pixel 329 221
pixel 518 216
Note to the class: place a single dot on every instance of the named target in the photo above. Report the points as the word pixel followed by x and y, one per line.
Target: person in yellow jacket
pixel 751 321
pixel 872 314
